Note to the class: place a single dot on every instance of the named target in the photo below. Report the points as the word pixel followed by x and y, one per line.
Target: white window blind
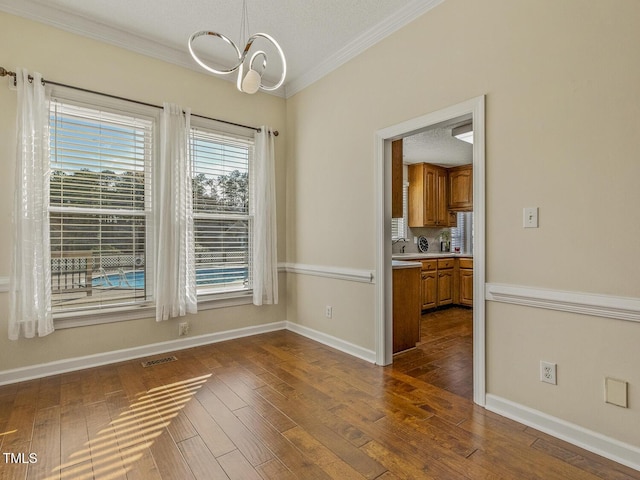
pixel 399 225
pixel 462 235
pixel 100 197
pixel 222 210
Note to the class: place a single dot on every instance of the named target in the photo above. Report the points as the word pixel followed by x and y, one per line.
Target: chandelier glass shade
pixel 251 81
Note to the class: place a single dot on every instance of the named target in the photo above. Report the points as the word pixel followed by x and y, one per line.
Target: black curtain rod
pixel 4 73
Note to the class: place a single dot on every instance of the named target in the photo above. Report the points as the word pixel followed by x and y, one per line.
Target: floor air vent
pixel 158 361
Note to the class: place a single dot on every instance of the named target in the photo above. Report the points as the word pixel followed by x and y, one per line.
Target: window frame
pixel 240 296
pixel 94 101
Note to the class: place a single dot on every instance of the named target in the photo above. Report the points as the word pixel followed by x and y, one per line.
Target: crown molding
pixel 80 25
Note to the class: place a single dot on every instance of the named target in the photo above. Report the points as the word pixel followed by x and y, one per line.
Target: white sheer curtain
pixel 30 286
pixel 265 260
pixel 175 258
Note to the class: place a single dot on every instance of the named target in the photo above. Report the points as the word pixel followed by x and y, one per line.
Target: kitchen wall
pixel 67 58
pixel 432 235
pixel 562 87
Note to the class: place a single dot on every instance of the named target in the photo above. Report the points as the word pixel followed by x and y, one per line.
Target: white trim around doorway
pixel 383 272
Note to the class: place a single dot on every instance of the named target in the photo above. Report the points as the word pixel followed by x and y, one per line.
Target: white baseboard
pixel 99 359
pixel 333 342
pixel 610 448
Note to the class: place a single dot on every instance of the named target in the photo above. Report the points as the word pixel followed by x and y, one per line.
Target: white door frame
pixel 384 306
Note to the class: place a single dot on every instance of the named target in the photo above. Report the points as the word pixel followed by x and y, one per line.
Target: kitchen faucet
pixel 393 242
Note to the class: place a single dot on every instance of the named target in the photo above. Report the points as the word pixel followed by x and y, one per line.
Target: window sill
pixel 122 314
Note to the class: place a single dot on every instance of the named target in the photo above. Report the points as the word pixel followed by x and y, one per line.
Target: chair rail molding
pixel 608 306
pixel 339 273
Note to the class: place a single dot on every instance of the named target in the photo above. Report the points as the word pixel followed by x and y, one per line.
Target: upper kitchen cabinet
pixel 428 196
pixel 396 179
pixel 461 188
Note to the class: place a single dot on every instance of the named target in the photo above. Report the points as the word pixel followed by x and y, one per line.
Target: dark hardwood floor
pixel 274 406
pixel 444 356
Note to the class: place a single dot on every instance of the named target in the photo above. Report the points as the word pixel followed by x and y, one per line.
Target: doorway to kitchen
pixel 473 109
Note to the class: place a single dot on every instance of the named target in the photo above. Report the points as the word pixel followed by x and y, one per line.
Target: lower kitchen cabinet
pixel 445 287
pixel 406 308
pixel 429 284
pixel 446 281
pixel 466 282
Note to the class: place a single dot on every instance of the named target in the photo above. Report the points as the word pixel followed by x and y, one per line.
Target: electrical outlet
pixel 548 372
pixel 183 329
pixel 328 311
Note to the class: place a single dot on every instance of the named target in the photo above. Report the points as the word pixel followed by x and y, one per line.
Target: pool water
pixel 205 276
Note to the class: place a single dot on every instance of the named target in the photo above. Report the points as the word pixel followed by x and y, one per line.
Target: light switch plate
pixel 530 217
pixel 615 392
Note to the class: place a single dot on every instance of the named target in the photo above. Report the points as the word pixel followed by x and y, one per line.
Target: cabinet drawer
pixel 428 265
pixel 466 263
pixel 445 263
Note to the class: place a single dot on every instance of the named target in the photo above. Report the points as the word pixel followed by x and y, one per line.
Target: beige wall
pixel 562 85
pixel 67 58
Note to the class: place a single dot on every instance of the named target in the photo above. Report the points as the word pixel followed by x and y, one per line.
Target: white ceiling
pixel 436 145
pixel 317 36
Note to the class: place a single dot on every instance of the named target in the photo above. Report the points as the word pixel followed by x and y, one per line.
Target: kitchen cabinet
pixel 445 281
pixel 429 284
pixel 396 179
pixel 466 282
pixel 461 188
pixel 406 308
pixel 428 196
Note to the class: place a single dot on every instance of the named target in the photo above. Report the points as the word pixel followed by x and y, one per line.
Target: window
pixel 222 210
pixel 399 225
pixel 100 207
pixel 462 235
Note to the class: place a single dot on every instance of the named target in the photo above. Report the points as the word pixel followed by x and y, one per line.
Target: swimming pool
pixel 204 276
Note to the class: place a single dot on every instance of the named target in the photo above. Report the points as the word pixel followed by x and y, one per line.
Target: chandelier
pixel 250 82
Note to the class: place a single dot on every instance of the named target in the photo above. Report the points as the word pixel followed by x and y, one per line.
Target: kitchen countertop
pixel 426 256
pixel 395 264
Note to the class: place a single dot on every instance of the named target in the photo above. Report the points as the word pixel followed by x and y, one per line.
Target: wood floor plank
pixel 221 390
pixel 313 448
pixel 209 431
pixel 201 461
pixel 284 450
pixel 133 431
pixel 318 421
pixel 73 435
pixel 241 382
pixel 14 469
pixel 424 455
pixel 46 445
pixel 275 470
pixel 19 427
pixel 401 467
pixel 237 467
pixel 168 458
pixel 103 447
pixel 254 451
